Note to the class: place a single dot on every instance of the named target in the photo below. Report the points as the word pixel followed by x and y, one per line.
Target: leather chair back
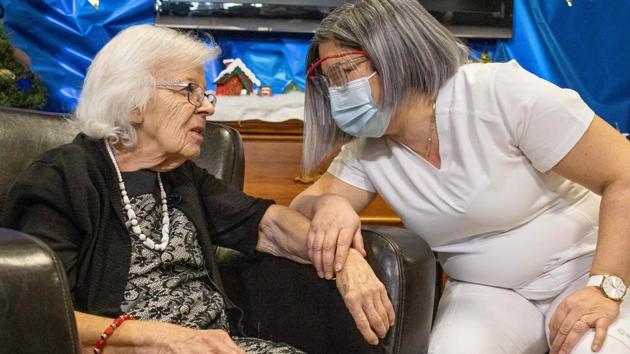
pixel 25 134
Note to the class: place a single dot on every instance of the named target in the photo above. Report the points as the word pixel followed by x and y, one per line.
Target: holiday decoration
pixel 19 87
pixel 275 108
pixel 236 79
pixel 24 84
pixel 265 91
pixel 291 86
pixel 7 75
pixel 485 57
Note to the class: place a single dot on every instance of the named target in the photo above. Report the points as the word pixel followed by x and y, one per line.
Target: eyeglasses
pixel 196 93
pixel 338 74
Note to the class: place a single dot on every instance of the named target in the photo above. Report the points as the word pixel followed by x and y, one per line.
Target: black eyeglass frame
pixel 190 88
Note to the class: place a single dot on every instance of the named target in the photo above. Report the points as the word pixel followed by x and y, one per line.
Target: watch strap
pixel 595 280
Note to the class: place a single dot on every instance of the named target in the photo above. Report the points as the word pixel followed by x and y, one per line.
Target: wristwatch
pixel 612 286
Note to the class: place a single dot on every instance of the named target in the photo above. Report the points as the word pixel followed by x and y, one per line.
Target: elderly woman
pixel 518 186
pixel 104 204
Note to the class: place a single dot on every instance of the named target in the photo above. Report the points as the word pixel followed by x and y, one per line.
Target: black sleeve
pixel 37 205
pixel 233 215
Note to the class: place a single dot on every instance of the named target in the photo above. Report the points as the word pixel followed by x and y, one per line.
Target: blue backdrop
pixel 62 37
pixel 277 60
pixel 585 47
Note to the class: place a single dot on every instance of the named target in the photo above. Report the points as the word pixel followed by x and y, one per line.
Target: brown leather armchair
pixel 283 301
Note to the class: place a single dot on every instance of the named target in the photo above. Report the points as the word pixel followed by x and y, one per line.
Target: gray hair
pixel 411 51
pixel 121 78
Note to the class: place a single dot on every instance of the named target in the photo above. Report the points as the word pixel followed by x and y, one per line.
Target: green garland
pixel 19 87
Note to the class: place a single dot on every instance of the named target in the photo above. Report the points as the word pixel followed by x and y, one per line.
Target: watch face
pixel 614 287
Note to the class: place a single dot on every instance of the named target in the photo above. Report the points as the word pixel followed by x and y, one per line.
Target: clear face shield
pixel 338 74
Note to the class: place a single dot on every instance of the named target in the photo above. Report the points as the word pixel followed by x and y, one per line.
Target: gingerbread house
pixel 236 79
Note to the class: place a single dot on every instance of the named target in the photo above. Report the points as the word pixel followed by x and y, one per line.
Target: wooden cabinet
pixel 273 168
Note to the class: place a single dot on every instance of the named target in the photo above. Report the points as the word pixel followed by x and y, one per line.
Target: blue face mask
pixel 355 112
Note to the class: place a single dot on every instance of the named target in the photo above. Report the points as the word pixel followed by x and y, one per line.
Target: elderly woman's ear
pixel 136 116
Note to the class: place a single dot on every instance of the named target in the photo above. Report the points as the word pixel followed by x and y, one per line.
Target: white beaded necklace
pixel 131 215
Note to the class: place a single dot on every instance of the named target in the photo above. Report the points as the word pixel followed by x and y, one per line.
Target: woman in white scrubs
pixel 518 186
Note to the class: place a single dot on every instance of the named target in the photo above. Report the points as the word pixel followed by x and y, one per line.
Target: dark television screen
pixel 466 18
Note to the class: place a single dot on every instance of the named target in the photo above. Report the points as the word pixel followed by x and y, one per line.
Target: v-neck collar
pixel 442 129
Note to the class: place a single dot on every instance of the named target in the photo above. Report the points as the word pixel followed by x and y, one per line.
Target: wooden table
pixel 273 166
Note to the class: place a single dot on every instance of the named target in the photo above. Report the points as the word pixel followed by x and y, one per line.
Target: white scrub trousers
pixel 478 319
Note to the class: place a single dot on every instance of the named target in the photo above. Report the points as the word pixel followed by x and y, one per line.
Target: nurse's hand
pixel 366 298
pixel 582 310
pixel 335 228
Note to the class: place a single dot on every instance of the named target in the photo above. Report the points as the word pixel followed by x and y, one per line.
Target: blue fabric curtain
pixel 585 47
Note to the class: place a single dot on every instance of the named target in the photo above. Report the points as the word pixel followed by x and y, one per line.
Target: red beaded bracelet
pixel 100 343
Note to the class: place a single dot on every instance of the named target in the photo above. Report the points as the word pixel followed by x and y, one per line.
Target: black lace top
pixel 170 285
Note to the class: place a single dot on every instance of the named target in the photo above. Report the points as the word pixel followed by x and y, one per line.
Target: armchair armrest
pixel 36 311
pixel 405 264
pixel 286 301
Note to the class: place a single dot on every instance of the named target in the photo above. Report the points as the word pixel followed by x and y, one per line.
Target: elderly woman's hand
pixel 172 339
pixel 335 228
pixel 366 298
pixel 584 309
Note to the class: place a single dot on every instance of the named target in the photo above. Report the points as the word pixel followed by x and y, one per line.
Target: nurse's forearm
pixel 282 232
pixel 306 204
pixel 613 244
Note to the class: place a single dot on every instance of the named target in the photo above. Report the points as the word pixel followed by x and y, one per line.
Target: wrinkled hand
pixel 335 228
pixel 173 339
pixel 584 309
pixel 366 298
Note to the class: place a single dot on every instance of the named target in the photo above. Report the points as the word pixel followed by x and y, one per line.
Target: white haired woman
pixel 518 186
pixel 105 204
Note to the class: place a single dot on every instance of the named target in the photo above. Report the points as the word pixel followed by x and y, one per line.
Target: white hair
pixel 411 51
pixel 121 78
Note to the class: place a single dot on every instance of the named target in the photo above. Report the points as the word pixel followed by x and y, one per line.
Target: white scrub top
pixel 494 211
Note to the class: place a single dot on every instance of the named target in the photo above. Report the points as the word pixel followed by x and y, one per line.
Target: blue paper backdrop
pixel 585 47
pixel 275 59
pixel 62 37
